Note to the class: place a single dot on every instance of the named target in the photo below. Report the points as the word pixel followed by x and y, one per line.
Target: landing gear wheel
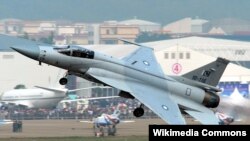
pixel 138 112
pixel 63 81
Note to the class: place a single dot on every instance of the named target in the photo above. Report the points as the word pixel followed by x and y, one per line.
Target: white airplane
pixel 109 121
pixel 139 75
pixel 40 97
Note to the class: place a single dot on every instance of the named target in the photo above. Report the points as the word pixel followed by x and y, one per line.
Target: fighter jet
pixel 138 75
pixel 39 97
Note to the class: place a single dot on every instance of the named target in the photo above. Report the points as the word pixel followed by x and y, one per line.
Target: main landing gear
pixel 63 81
pixel 138 112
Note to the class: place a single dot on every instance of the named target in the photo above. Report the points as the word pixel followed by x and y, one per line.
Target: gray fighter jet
pixel 139 75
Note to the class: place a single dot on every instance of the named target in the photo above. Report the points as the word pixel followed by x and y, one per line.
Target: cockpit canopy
pixel 79 52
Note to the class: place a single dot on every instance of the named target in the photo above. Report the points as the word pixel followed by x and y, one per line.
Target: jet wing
pixel 143 59
pixel 157 100
pixel 160 102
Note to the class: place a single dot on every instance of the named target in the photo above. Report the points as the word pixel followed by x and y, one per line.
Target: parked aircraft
pixel 40 97
pixel 108 121
pixel 138 75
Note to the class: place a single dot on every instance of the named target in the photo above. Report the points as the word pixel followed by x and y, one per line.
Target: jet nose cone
pixel 29 51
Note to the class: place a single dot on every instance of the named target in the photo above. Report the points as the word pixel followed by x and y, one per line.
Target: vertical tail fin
pixel 209 74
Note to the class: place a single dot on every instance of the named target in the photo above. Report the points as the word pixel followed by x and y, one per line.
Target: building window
pixel 113 31
pixel 173 55
pixel 166 55
pixel 91 33
pixel 73 42
pixel 107 32
pixel 91 42
pixel 110 41
pixel 181 55
pixel 187 55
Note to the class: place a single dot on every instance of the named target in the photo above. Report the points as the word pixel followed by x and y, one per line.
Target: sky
pixel 160 11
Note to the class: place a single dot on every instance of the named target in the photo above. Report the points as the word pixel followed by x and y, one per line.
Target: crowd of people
pixel 71 111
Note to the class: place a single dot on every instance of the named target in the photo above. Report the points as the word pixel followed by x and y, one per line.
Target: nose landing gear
pixel 64 80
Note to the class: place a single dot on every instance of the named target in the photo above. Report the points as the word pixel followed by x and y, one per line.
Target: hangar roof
pixel 211 46
pixel 137 22
pixel 199 43
pixel 230 49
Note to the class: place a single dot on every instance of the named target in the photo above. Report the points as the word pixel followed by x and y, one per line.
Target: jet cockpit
pixel 77 52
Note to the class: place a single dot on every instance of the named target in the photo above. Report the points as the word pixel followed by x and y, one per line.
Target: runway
pixel 63 128
pixel 70 128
